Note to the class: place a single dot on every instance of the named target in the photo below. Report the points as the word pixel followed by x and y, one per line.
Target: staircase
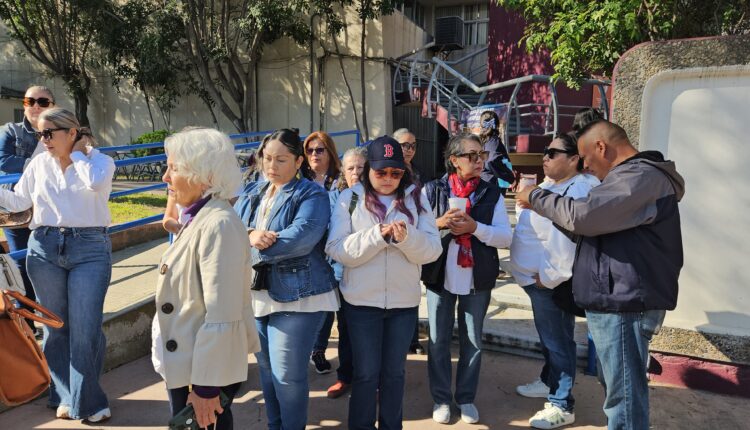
pixel 448 95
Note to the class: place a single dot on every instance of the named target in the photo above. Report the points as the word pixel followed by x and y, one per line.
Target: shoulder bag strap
pixel 48 318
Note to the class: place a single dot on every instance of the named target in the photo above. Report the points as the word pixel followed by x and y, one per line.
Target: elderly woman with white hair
pixel 204 311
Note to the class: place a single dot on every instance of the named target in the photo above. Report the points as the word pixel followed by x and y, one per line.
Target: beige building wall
pixel 285 91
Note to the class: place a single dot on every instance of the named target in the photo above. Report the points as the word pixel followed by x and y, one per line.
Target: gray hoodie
pixel 629 252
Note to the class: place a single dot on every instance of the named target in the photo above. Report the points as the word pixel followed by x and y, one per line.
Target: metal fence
pixel 122 161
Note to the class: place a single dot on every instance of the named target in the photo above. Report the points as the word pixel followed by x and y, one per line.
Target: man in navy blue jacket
pixel 628 259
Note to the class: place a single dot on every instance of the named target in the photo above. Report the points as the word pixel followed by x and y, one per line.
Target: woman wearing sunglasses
pixel 541 259
pixel 382 231
pixel 70 257
pixel 472 215
pixel 18 144
pixel 324 168
pixel 287 218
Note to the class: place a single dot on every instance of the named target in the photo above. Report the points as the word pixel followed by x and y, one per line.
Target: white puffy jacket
pixel 376 273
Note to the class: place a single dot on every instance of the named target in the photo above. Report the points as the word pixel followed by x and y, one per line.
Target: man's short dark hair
pixel 614 131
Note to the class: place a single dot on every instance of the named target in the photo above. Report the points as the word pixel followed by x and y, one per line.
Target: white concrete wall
pixel 699 118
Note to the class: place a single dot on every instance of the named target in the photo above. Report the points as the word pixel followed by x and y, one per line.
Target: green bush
pixel 153 136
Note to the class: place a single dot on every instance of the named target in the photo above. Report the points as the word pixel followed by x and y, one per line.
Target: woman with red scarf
pixel 465 273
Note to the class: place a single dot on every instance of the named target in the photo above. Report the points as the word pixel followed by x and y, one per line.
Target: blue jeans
pixel 621 340
pixel 346 369
pixel 286 339
pixel 441 310
pixel 71 269
pixel 321 340
pixel 555 328
pixel 380 342
pixel 225 421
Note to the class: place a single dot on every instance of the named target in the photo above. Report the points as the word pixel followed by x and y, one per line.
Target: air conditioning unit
pixel 449 33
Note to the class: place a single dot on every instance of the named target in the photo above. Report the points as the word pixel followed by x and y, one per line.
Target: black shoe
pixel 416 348
pixel 318 359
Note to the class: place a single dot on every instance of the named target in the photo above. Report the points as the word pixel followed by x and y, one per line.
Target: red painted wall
pixel 508 60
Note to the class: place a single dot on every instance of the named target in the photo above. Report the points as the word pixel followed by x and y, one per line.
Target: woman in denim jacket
pixel 287 217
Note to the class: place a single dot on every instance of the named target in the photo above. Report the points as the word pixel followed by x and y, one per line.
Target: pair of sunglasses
pixel 552 152
pixel 394 174
pixel 41 101
pixel 474 156
pixel 409 146
pixel 46 134
pixel 318 151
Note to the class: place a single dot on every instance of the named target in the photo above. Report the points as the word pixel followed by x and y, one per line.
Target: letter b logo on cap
pixel 388 150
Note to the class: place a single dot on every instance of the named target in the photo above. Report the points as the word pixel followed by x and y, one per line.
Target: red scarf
pixel 464 190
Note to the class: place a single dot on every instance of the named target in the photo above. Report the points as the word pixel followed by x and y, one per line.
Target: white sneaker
pixel 441 413
pixel 100 416
pixel 63 412
pixel 533 389
pixel 551 417
pixel 469 413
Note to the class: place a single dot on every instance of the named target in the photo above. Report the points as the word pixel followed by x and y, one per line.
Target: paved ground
pixel 139 401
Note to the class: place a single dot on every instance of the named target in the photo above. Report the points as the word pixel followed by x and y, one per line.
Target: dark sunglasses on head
pixel 41 101
pixel 552 152
pixel 474 156
pixel 408 146
pixel 395 174
pixel 318 151
pixel 46 134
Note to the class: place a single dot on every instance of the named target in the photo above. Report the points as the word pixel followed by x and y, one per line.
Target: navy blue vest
pixel 486 264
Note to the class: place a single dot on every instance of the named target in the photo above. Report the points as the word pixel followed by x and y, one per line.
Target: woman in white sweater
pixel 541 259
pixel 382 231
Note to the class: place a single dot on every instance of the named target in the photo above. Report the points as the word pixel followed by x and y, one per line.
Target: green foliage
pixel 153 136
pixel 136 206
pixel 587 37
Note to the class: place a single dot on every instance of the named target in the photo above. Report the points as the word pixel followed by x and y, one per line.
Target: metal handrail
pixel 11 179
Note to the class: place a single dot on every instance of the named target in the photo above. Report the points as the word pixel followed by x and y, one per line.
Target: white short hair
pixel 398 134
pixel 206 157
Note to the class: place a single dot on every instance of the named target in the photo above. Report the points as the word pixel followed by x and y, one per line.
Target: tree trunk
pixel 365 129
pixel 148 106
pixel 348 88
pixel 81 107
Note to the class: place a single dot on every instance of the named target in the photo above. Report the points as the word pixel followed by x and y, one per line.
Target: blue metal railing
pixel 13 178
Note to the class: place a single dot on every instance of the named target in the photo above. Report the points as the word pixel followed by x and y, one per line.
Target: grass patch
pixel 132 207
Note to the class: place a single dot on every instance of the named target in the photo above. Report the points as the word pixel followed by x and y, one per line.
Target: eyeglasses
pixel 394 174
pixel 474 156
pixel 46 134
pixel 317 151
pixel 552 152
pixel 409 146
pixel 41 101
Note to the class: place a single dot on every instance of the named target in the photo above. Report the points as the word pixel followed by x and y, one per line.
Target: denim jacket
pixel 295 266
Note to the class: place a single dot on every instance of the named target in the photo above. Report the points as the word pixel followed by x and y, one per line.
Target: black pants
pixel 225 421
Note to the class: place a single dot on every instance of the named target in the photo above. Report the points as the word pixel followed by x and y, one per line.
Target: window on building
pixel 476 21
pixel 414 11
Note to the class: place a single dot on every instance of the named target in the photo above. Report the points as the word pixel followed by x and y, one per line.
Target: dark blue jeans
pixel 71 269
pixel 380 342
pixel 321 341
pixel 621 340
pixel 224 421
pixel 345 371
pixel 555 328
pixel 441 308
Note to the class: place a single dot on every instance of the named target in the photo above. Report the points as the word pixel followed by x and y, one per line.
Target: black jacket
pixel 486 264
pixel 630 247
